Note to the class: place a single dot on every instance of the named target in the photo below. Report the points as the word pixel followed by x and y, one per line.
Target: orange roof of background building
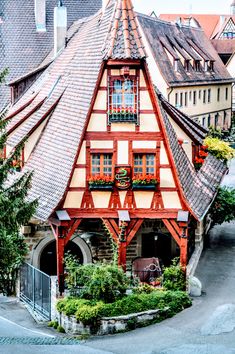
pixel 207 22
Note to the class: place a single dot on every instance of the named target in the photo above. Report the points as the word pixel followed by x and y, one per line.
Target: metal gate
pixel 35 290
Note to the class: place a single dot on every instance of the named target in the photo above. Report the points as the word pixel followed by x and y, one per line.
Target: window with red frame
pixel 144 164
pixel 101 164
pixel 123 99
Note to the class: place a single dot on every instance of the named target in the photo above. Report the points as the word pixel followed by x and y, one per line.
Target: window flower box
pixel 125 114
pixel 101 183
pixel 147 182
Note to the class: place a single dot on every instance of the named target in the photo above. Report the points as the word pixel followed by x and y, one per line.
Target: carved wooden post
pixel 184 246
pixel 60 246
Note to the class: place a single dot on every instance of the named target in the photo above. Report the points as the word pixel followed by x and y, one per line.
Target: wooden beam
pixel 172 231
pixel 112 214
pixel 71 231
pixel 176 227
pixel 134 230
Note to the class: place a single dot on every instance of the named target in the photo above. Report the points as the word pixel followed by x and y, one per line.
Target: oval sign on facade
pixel 122 177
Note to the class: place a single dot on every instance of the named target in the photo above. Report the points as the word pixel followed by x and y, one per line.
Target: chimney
pixel 60 26
pixel 40 15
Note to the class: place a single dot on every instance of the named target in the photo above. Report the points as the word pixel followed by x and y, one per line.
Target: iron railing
pixel 35 290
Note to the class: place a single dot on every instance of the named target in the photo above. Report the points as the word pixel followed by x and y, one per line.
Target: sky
pixel 183 6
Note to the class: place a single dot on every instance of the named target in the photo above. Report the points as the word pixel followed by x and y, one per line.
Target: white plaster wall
pixel 101 99
pixel 148 123
pixel 163 155
pixel 122 127
pixel 171 200
pixel 143 199
pixel 82 154
pixel 73 200
pixel 166 178
pixel 101 199
pixel 144 144
pixel 122 153
pixel 79 178
pixel 101 144
pixel 97 123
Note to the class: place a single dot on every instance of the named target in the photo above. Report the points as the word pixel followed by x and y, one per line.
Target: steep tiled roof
pixel 66 89
pixel 74 76
pixel 196 132
pixel 124 40
pixel 199 188
pixel 22 49
pixel 190 43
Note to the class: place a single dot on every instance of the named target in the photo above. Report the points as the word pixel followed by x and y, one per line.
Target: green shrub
pixel 90 312
pixel 174 277
pixel 60 329
pixel 219 149
pixel 102 281
pixel 144 288
pixel 55 325
pixel 51 323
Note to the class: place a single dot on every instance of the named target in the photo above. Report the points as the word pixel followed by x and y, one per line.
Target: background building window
pixel 186 99
pixel 181 99
pixel 176 99
pixel 218 94
pixel 144 164
pixel 209 96
pixel 101 164
pixel 194 97
pixel 226 93
pixel 204 96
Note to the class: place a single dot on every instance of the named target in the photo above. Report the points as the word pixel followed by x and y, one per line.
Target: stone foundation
pixel 111 325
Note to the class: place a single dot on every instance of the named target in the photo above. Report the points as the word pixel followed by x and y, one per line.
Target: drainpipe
pixel 60 26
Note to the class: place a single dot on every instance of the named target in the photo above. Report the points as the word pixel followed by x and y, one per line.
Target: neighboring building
pixel 97 131
pixel 188 71
pixel 220 29
pixel 26 34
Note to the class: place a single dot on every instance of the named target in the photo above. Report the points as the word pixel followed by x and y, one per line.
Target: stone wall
pixel 111 325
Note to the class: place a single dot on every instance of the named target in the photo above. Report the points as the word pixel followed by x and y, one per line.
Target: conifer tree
pixel 15 210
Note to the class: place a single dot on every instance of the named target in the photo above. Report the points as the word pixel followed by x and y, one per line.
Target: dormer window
pixel 211 67
pixel 123 98
pixel 197 65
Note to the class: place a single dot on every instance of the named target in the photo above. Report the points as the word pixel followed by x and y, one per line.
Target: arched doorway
pixel 48 262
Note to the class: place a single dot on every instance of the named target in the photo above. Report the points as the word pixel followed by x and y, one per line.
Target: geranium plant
pixel 202 154
pixel 123 110
pixel 100 180
pixel 144 180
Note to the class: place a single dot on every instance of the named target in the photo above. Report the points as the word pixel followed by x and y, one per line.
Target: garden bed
pixel 80 316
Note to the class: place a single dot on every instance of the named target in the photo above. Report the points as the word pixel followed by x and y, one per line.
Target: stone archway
pixel 46 244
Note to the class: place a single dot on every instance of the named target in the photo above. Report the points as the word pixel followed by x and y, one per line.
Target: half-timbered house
pixel 107 149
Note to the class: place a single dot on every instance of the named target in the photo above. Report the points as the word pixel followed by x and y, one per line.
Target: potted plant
pixel 101 183
pixel 123 113
pixel 144 182
pixel 199 160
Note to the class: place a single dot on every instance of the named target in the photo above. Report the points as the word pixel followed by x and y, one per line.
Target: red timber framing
pixel 63 231
pixel 122 234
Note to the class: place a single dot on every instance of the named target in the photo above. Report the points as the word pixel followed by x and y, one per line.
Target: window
pixel 209 120
pixel 204 121
pixel 209 96
pixel 194 97
pixel 190 95
pixel 101 164
pixel 226 93
pixel 204 96
pixel 144 164
pixel 216 119
pixel 218 94
pixel 186 99
pixel 181 99
pixel 197 65
pixel 199 94
pixel 123 99
pixel 176 99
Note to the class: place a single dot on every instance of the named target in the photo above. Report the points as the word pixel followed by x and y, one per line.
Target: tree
pixel 223 207
pixel 15 210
